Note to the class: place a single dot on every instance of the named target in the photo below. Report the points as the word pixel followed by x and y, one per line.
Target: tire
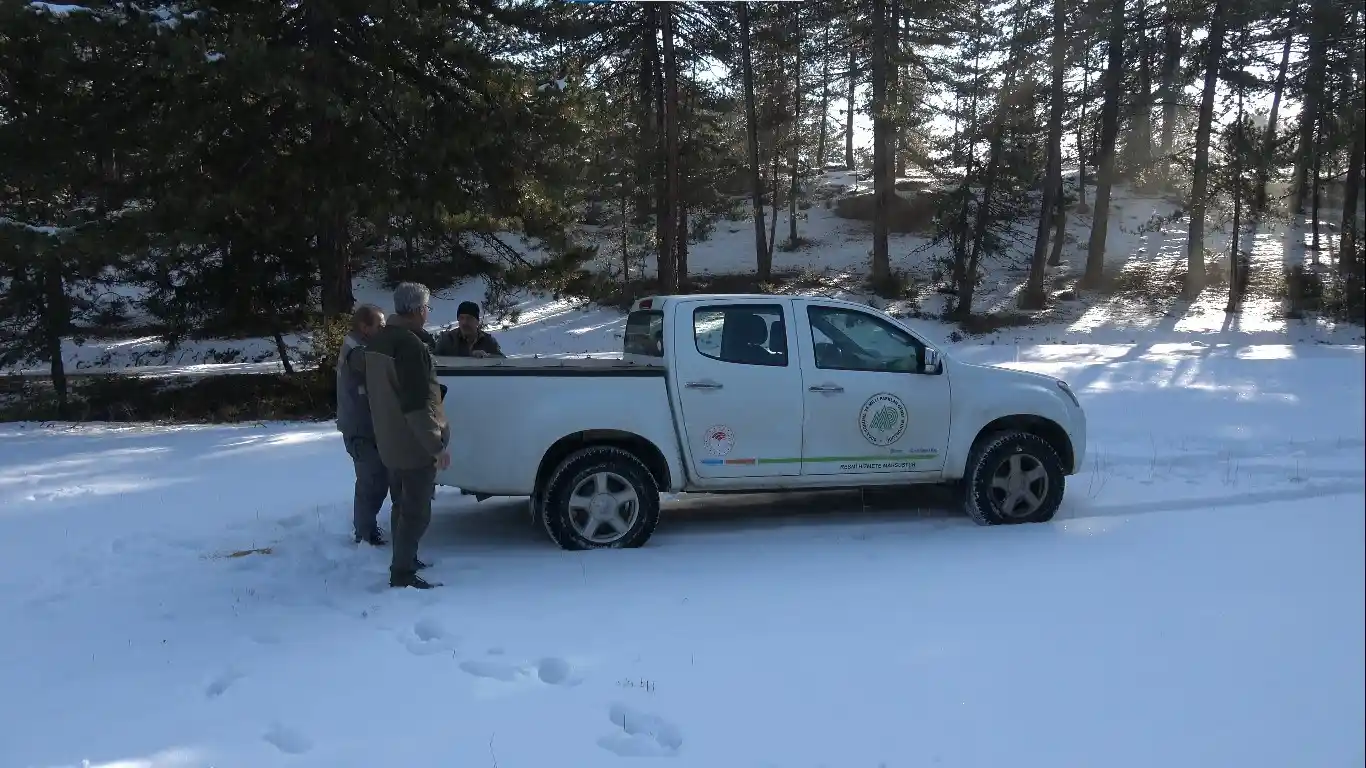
pixel 534 505
pixel 565 510
pixel 991 458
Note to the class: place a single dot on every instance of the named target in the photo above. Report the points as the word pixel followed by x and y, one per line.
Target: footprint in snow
pixel 642 734
pixel 287 740
pixel 556 671
pixel 221 683
pixel 493 669
pixel 550 670
pixel 293 521
pixel 428 637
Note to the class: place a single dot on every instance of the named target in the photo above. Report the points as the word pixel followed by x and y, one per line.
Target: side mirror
pixel 932 361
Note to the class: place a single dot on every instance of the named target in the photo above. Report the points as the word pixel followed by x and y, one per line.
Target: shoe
pixel 409 579
pixel 418 565
pixel 374 538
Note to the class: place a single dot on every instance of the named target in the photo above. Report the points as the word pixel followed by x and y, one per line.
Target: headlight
pixel 1068 391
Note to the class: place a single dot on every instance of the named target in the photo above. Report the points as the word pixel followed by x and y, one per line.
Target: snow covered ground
pixel 190 597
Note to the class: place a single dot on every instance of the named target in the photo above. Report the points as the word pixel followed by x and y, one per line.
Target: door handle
pixel 702 385
pixel 827 389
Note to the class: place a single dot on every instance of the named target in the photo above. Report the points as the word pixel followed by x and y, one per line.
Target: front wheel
pixel 1012 478
pixel 599 498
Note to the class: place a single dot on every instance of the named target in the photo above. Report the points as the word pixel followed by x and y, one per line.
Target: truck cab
pixel 762 393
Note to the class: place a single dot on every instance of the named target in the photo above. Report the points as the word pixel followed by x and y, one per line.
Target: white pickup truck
pixel 728 394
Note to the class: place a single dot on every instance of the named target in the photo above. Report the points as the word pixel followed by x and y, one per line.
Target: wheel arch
pixel 1046 429
pixel 649 454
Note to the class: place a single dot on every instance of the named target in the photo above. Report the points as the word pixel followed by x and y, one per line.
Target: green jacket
pixel 405 399
pixel 452 343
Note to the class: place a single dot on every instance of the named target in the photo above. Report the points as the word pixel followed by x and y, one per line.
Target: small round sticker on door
pixel 719 440
pixel 882 419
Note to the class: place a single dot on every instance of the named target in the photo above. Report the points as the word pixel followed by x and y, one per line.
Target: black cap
pixel 467 308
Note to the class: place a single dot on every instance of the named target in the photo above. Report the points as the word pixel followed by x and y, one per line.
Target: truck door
pixel 738 387
pixel 870 406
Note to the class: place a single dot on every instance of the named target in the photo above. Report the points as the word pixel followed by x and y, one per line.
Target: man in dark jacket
pixel 357 428
pixel 467 339
pixel 410 426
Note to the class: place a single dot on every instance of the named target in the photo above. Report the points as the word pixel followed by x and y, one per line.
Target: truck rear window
pixel 645 333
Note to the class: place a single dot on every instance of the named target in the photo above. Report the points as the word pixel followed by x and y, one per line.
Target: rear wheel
pixel 1013 477
pixel 600 498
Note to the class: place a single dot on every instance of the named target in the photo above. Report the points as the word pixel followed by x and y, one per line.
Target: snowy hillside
pixel 834 261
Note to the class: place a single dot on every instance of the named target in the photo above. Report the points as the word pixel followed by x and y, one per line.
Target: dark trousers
pixel 372 484
pixel 411 491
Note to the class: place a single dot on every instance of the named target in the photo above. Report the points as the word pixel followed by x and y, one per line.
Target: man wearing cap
pixel 467 339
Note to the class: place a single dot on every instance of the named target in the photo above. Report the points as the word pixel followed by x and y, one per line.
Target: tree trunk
pixel 57 319
pixel 1109 130
pixel 1347 244
pixel 685 169
pixel 334 267
pixel 823 129
pixel 1310 110
pixel 773 194
pixel 1268 148
pixel 882 129
pixel 1033 295
pixel 1171 91
pixel 1317 177
pixel 1235 271
pixel 1139 147
pixel 794 152
pixel 264 276
pixel 1007 104
pixel 959 267
pixel 668 264
pixel 1195 241
pixel 1059 228
pixel 849 114
pixel 681 244
pixel 623 198
pixel 897 89
pixel 763 261
pixel 963 307
pixel 647 172
pixel 663 210
pixel 1082 207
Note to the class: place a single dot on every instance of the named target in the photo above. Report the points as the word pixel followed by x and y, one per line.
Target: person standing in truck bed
pixel 410 426
pixel 467 339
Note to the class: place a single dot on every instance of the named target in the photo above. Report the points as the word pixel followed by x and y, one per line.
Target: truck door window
pixel 644 333
pixel 746 334
pixel 848 340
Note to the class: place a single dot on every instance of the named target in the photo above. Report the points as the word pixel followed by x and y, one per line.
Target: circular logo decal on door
pixel 720 439
pixel 882 419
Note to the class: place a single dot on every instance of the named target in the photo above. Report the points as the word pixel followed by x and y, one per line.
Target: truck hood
pixel 998 373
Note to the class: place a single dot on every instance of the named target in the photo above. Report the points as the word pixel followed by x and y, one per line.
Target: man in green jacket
pixel 410 426
pixel 467 339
